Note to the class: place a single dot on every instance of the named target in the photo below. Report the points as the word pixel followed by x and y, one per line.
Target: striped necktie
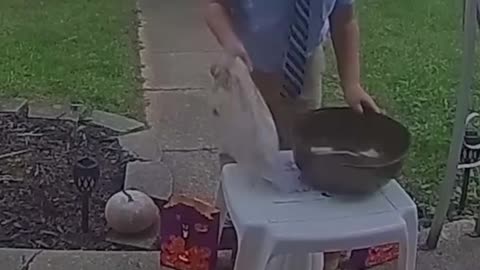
pixel 296 55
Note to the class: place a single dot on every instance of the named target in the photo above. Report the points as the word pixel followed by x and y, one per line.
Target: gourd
pixel 131 211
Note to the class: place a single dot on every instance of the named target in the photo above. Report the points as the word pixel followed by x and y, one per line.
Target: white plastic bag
pixel 245 126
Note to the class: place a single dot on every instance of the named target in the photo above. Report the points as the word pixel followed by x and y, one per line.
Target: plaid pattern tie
pixel 296 54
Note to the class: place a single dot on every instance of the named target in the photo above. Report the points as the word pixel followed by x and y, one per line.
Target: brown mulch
pixel 39 203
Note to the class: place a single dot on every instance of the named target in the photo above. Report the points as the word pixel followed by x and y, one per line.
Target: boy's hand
pixel 234 48
pixel 359 100
pixel 219 21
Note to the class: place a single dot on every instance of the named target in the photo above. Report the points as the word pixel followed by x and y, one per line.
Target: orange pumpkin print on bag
pixel 189 234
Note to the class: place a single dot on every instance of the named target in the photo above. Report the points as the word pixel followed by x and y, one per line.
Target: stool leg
pixel 318 261
pixel 411 220
pixel 220 203
pixel 254 251
pixel 331 260
pixel 292 262
pixel 234 254
pixel 297 262
pixel 403 258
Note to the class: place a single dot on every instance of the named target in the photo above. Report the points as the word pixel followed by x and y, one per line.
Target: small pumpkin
pixel 131 211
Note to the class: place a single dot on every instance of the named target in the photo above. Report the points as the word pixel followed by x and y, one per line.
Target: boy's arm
pixel 345 37
pixel 217 15
pixel 218 20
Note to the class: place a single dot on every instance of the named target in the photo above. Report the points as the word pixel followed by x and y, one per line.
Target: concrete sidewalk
pixel 456 251
pixel 178 50
pixel 16 259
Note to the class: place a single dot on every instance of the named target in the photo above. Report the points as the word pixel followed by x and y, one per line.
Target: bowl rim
pixel 408 137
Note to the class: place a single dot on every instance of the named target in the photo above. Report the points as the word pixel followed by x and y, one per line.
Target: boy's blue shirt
pixel 263 27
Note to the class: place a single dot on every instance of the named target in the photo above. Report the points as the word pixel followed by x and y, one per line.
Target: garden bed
pixel 39 203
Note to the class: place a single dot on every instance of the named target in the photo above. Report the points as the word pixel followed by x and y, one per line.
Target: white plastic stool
pixel 270 223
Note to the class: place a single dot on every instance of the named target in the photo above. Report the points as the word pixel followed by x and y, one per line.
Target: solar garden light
pixel 86 173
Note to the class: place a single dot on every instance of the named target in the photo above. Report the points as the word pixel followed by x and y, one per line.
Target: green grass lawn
pixel 80 51
pixel 411 64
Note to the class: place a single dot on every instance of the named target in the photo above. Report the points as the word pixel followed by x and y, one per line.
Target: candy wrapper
pixel 374 256
pixel 382 254
pixel 189 234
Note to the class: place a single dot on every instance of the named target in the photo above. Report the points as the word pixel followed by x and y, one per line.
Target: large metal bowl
pixel 347 132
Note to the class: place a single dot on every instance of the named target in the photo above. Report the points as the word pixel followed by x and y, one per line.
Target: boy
pixel 260 33
pixel 281 43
